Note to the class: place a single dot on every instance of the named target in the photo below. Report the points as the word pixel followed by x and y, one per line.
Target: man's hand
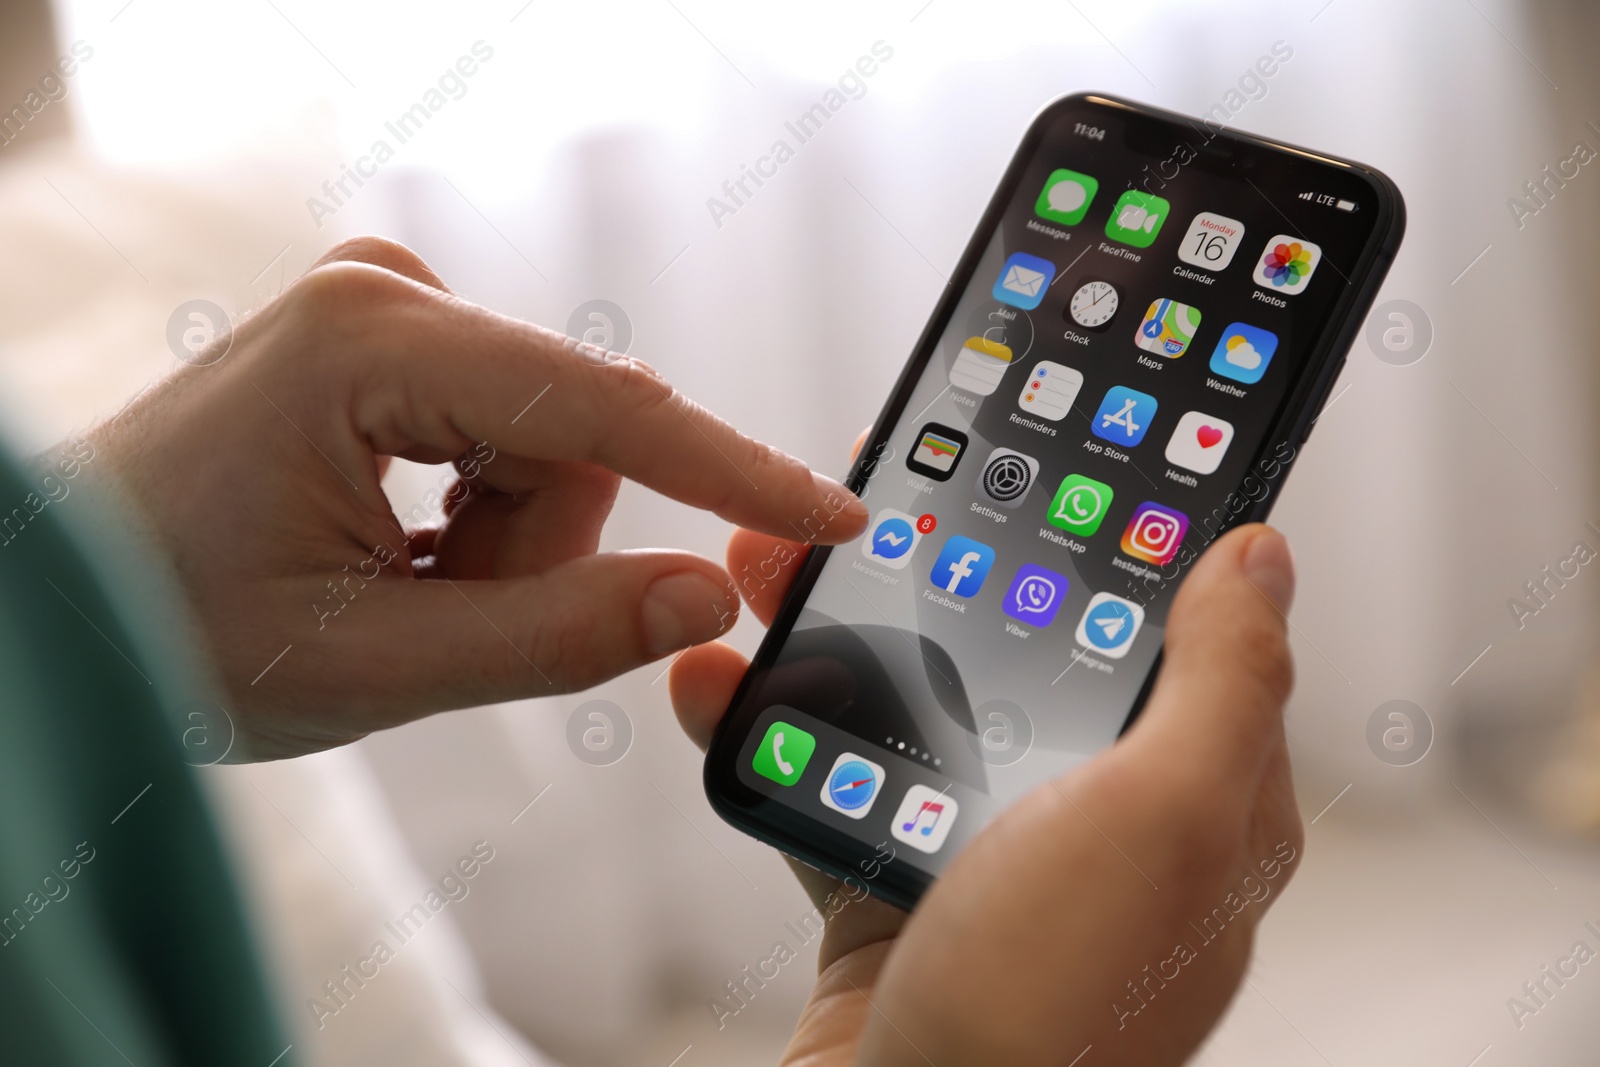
pixel 261 475
pixel 1114 907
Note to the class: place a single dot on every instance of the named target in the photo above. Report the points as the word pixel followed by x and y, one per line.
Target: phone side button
pixel 1323 402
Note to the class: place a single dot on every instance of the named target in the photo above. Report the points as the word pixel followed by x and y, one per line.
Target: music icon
pixel 924 818
pixel 928 808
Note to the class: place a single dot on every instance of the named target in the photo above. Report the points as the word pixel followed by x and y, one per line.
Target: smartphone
pixel 1125 364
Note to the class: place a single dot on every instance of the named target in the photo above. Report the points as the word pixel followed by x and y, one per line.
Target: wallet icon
pixel 1023 281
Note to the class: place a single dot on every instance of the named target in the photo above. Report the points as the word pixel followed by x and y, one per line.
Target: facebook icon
pixel 962 566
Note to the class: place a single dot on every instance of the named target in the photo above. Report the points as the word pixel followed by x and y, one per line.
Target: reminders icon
pixel 1050 391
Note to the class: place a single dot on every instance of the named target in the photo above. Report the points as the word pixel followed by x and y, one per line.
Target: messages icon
pixel 1023 281
pixel 1065 197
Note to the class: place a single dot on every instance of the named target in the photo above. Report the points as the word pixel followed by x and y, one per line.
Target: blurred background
pixel 187 158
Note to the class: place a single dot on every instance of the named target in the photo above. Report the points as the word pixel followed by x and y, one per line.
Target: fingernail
pixel 840 501
pixel 1269 565
pixel 684 609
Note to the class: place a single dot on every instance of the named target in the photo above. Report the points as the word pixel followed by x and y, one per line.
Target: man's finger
pixel 382 252
pixel 701 683
pixel 524 517
pixel 1226 671
pixel 465 374
pixel 460 643
pixel 763 567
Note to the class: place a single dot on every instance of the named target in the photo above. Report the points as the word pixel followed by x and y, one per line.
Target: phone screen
pixel 1124 367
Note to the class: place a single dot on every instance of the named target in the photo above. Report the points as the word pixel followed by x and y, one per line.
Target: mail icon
pixel 1023 281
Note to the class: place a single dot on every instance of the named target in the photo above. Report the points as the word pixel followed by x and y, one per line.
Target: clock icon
pixel 1094 305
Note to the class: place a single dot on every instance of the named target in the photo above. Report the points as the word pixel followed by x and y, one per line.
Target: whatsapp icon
pixel 1079 505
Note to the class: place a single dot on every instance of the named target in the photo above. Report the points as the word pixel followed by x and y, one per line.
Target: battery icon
pixel 1345 205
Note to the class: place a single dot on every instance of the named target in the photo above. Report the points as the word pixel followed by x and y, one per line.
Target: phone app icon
pixel 1109 625
pixel 1199 442
pixel 962 566
pixel 1035 595
pixel 852 785
pixel 1023 281
pixel 980 365
pixel 1124 416
pixel 1079 505
pixel 1137 219
pixel 1167 329
pixel 938 450
pixel 1155 533
pixel 1211 241
pixel 1287 263
pixel 1065 197
pixel 1050 390
pixel 1243 353
pixel 924 818
pixel 1007 476
pixel 784 753
pixel 891 539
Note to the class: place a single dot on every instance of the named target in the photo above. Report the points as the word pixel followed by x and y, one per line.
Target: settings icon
pixel 1007 476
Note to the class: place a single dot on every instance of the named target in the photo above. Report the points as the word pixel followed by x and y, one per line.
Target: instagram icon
pixel 1155 533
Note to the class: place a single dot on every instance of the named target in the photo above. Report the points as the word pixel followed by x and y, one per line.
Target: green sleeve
pixel 122 938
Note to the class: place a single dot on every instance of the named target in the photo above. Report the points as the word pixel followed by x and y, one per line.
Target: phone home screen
pixel 1093 410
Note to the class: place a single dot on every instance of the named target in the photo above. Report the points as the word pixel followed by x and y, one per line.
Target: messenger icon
pixel 1023 281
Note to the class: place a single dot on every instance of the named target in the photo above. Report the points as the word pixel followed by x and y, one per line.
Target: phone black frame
pixel 835 853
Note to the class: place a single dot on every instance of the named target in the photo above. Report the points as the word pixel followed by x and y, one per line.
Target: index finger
pixel 471 373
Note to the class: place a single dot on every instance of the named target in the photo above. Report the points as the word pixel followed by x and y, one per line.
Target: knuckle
pixel 1253 646
pixel 556 644
pixel 633 388
pixel 1205 833
pixel 1271 665
pixel 339 288
pixel 379 252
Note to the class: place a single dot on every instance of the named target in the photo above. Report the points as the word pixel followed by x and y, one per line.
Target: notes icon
pixel 980 365
pixel 924 818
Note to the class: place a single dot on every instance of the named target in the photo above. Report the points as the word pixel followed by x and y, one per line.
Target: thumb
pixel 1217 706
pixel 426 646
